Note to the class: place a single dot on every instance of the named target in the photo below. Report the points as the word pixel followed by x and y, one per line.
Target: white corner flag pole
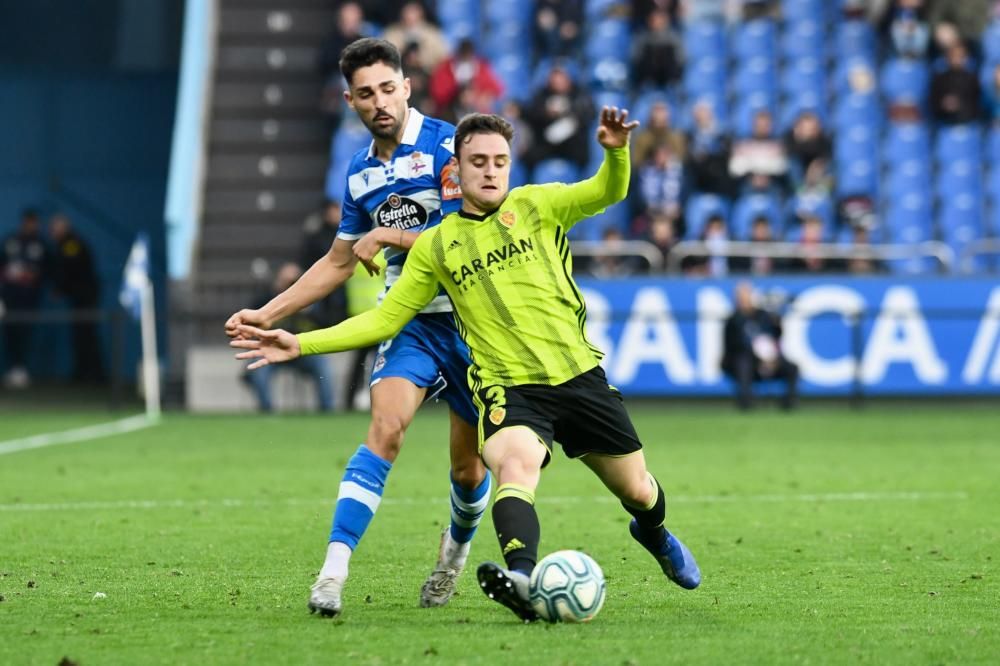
pixel 150 360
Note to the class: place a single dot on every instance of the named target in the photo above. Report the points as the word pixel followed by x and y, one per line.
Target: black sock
pixel 517 527
pixel 650 518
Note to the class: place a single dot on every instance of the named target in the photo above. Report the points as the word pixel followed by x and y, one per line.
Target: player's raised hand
pixel 251 317
pixel 614 128
pixel 274 346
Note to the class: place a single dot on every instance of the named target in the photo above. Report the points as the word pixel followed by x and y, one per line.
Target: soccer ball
pixel 567 586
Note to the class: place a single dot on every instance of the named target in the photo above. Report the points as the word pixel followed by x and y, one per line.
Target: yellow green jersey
pixel 508 274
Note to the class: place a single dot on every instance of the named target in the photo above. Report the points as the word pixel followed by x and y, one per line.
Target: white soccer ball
pixel 567 586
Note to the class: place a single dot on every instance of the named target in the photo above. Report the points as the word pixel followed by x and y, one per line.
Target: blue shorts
pixel 430 353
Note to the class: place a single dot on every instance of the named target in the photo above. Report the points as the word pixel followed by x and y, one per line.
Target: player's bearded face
pixel 379 95
pixel 484 171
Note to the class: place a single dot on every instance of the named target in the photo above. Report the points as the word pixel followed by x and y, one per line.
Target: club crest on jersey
pixel 507 218
pixel 497 415
pixel 417 161
pixel 400 213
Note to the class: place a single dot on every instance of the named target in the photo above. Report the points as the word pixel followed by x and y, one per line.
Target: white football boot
pixel 440 585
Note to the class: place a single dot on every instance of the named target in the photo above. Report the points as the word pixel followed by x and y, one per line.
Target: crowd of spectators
pixel 776 180
pixel 39 268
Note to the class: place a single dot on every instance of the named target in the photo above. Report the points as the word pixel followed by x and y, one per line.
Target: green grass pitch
pixel 827 536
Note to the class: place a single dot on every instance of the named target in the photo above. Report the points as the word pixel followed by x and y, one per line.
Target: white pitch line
pixel 96 431
pixel 912 496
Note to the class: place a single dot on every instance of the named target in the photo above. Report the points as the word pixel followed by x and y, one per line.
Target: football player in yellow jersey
pixel 504 260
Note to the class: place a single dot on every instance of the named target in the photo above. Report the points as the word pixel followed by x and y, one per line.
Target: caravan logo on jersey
pixel 508 256
pixel 400 213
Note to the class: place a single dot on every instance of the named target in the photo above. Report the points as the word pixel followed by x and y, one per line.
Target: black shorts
pixel 585 415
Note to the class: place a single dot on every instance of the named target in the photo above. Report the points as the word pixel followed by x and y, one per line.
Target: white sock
pixel 338 555
pixel 454 553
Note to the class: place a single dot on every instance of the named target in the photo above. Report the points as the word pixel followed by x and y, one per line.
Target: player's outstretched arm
pixel 610 184
pixel 328 273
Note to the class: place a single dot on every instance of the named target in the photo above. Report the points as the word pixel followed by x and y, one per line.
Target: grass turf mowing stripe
pixel 904 496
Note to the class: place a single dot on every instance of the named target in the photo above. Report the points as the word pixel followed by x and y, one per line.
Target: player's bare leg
pixel 469 498
pixel 394 402
pixel 642 496
pixel 515 456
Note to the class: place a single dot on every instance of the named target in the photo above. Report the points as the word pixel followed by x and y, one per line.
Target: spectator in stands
pixel 991 97
pixel 613 262
pixel 945 36
pixel 641 9
pixel 657 131
pixel 760 155
pixel 521 146
pixel 468 75
pixel 760 232
pixel 25 267
pixel 815 191
pixel 752 350
pixel 955 94
pixel 812 235
pixel 318 233
pixel 420 79
pixel 559 116
pixel 859 265
pixel 413 26
pixel 967 16
pixel 657 53
pixel 316 367
pixel 557 27
pixel 858 212
pixel 716 240
pixel 350 27
pixel 75 279
pixel 708 152
pixel 660 182
pixel 806 143
pixel 910 35
pixel 663 234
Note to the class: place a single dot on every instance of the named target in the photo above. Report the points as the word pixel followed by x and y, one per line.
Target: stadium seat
pixel 855 143
pixel 904 177
pixel 906 141
pixel 510 68
pixel 749 207
pixel 753 38
pixel 908 221
pixel 854 37
pixel 905 81
pixel 555 171
pixel 819 205
pixel 595 10
pixel 520 11
pixel 700 206
pixel 857 176
pixel 961 223
pixel 803 39
pixel 603 98
pixel 349 138
pixel 958 142
pixel 607 39
pixel 459 20
pixel 993 185
pixel 993 146
pixel 991 43
pixel 705 76
pixel 496 41
pixel 795 11
pixel 852 110
pixel 958 177
pixel 755 75
pixel 704 39
pixel 804 75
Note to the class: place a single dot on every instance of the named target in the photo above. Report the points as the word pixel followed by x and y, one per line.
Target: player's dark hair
pixel 368 51
pixel 481 123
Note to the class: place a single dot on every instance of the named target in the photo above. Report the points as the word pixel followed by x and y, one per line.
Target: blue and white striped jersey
pixel 411 192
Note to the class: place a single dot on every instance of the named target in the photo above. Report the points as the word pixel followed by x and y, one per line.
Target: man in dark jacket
pixel 76 280
pixel 753 352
